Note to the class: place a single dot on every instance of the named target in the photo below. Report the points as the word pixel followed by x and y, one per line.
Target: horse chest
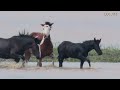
pixel 46 49
pixel 85 54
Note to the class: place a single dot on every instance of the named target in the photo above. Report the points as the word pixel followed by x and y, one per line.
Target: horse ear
pixel 19 33
pixel 94 39
pixel 100 40
pixel 42 24
pixel 51 24
pixel 24 32
pixel 27 33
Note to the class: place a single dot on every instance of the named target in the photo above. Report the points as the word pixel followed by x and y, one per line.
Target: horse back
pixel 37 34
pixel 70 49
pixel 69 45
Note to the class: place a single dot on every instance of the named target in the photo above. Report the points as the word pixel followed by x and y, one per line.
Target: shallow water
pixel 70 70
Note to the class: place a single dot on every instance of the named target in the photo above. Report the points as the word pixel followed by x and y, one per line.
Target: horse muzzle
pixel 100 53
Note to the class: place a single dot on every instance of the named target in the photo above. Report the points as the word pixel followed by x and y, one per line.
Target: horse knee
pixel 23 58
pixel 17 60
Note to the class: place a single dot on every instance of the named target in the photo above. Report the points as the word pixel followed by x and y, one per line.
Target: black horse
pixel 78 50
pixel 14 47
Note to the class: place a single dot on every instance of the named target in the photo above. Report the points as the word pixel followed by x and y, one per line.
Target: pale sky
pixel 75 26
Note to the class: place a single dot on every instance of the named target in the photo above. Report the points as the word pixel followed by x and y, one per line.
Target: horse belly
pixel 68 53
pixel 46 53
pixel 4 50
pixel 4 55
pixel 72 54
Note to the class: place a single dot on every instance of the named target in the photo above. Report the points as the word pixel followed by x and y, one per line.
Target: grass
pixel 110 54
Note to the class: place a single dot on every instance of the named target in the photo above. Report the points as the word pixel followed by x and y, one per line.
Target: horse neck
pixel 23 42
pixel 47 42
pixel 88 46
pixel 49 38
pixel 27 41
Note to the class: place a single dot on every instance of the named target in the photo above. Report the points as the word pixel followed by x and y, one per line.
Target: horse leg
pixel 23 58
pixel 53 62
pixel 60 61
pixel 52 57
pixel 17 58
pixel 81 64
pixel 39 63
pixel 23 63
pixel 89 62
pixel 83 59
pixel 27 55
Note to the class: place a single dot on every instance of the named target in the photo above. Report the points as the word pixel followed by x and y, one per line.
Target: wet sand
pixel 98 70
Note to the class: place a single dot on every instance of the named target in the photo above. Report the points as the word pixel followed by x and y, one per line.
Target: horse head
pixel 46 28
pixel 97 47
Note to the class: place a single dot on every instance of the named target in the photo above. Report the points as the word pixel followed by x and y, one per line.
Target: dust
pixel 11 64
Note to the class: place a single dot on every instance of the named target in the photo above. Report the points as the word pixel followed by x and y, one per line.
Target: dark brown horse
pixel 46 46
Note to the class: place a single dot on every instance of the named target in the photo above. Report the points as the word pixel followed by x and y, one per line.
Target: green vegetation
pixel 110 54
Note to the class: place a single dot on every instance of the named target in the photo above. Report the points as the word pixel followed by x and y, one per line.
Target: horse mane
pixel 23 34
pixel 47 23
pixel 88 42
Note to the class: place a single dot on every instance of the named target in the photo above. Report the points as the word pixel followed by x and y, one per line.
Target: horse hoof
pixel 53 63
pixel 81 67
pixel 89 67
pixel 23 66
pixel 40 65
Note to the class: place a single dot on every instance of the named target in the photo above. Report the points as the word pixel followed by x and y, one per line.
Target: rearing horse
pixel 46 46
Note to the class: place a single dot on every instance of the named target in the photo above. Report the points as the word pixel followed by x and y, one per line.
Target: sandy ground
pixel 70 70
